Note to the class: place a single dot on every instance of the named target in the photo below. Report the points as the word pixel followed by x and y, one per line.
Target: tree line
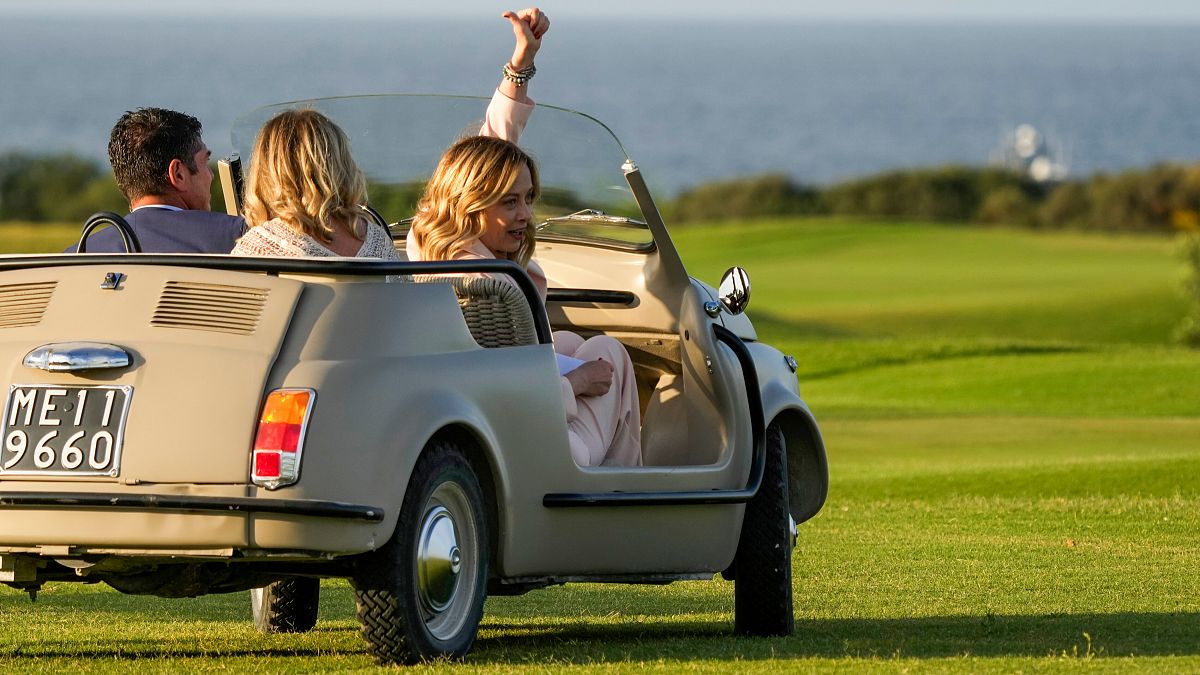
pixel 1161 199
pixel 1164 198
pixel 55 188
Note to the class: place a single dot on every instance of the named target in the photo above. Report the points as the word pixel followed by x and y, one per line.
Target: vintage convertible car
pixel 178 425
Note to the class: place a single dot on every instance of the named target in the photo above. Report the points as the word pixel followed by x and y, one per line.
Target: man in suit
pixel 160 162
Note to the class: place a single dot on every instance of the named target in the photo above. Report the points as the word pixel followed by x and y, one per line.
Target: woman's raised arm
pixel 511 106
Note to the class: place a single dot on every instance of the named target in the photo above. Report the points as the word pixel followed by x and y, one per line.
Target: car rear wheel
pixel 288 606
pixel 762 587
pixel 420 596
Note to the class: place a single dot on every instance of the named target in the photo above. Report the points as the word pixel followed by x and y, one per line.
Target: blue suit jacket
pixel 166 231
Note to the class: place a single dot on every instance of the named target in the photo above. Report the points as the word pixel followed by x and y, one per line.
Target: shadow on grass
pixel 1081 635
pixel 770 324
pixel 1121 634
pixel 881 351
pixel 137 651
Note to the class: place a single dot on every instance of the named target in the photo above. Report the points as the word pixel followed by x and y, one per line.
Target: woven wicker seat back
pixel 496 312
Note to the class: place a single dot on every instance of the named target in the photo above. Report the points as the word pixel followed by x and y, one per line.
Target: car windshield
pixel 398 139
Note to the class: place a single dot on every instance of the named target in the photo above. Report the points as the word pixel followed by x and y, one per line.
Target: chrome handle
pixel 64 357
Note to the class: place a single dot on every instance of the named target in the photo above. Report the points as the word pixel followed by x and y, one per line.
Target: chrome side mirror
pixel 734 293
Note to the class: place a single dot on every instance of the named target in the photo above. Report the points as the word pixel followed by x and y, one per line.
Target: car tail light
pixel 279 440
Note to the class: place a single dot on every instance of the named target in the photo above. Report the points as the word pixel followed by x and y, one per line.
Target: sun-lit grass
pixel 823 278
pixel 37 237
pixel 1013 465
pixel 1107 381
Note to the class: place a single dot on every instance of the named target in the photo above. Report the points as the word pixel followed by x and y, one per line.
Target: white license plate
pixel 63 431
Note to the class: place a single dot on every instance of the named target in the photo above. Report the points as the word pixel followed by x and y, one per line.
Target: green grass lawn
pixel 37 237
pixel 831 279
pixel 1014 484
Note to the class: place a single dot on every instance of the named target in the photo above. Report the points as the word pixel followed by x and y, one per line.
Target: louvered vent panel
pixel 24 304
pixel 212 307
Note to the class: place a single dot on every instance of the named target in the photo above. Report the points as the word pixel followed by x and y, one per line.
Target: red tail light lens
pixel 267 465
pixel 275 461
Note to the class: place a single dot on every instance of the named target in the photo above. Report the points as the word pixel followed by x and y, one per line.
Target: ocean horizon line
pixel 251 12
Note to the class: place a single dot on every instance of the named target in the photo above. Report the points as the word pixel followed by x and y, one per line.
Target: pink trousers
pixel 603 429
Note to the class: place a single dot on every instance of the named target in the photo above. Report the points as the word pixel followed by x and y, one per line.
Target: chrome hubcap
pixel 447 561
pixel 438 559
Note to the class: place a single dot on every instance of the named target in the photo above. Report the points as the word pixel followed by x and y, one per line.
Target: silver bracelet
pixel 518 77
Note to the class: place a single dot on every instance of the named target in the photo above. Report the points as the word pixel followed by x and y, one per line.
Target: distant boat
pixel 1026 150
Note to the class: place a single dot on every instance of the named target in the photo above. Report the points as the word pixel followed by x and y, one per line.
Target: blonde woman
pixel 304 188
pixel 478 205
pixel 304 191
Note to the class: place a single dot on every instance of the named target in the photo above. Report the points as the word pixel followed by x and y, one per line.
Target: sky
pixel 1148 11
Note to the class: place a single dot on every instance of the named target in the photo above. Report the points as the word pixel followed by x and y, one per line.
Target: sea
pixel 692 101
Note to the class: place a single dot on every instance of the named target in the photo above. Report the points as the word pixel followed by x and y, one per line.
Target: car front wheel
pixel 762 587
pixel 420 596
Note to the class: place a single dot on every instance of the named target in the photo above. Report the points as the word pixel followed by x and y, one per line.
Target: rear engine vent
pixel 212 307
pixel 24 304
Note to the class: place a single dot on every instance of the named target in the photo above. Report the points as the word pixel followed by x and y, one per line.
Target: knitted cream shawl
pixel 275 238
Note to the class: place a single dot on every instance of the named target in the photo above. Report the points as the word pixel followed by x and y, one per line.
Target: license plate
pixel 63 431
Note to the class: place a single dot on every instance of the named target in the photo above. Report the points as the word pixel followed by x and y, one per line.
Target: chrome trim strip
pixel 590 295
pixel 249 505
pixel 70 357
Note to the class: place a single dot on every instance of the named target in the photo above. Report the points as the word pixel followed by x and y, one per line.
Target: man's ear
pixel 177 173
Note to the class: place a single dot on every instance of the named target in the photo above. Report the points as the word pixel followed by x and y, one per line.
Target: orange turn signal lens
pixel 286 406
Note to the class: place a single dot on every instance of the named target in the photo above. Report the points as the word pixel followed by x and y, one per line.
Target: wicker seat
pixel 496 312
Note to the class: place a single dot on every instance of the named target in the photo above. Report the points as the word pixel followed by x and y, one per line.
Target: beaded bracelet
pixel 518 77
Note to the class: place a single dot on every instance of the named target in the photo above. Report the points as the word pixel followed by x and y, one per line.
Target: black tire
pixel 288 606
pixel 420 597
pixel 762 587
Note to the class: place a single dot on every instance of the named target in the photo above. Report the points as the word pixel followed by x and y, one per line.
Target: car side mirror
pixel 734 293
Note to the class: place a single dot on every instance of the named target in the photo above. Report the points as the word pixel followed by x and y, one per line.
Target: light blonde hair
pixel 302 173
pixel 475 173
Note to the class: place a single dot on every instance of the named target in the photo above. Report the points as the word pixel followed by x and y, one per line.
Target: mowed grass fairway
pixel 1014 463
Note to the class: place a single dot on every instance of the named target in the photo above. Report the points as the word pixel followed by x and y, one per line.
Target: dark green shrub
pixel 1068 205
pixel 50 188
pixel 1116 202
pixel 395 201
pixel 1162 198
pixel 951 193
pixel 767 195
pixel 1008 205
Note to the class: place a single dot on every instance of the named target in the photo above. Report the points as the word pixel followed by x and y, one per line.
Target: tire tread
pixel 289 606
pixel 763 563
pixel 387 620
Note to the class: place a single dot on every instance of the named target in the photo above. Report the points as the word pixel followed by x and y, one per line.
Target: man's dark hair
pixel 142 145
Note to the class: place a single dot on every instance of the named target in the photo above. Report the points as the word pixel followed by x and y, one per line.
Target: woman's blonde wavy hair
pixel 475 173
pixel 303 174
